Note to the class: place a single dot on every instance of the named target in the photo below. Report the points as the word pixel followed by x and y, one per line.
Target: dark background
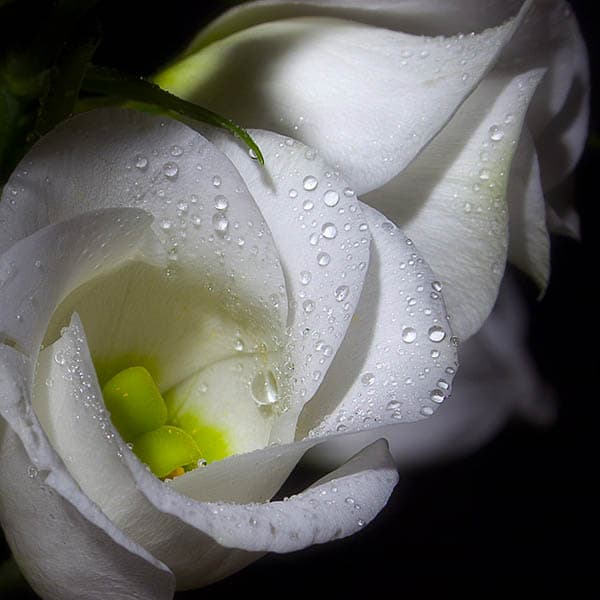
pixel 517 515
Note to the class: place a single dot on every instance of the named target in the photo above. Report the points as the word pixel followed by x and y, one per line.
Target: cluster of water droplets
pixel 325 247
pixel 411 360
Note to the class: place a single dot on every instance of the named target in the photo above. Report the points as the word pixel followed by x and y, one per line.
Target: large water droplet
pixel 341 293
pixel 264 389
pixel 171 170
pixel 305 277
pixel 367 379
pixel 329 231
pixel 221 202
pixel 409 335
pixel 496 134
pixel 323 259
pixel 437 396
pixel 436 333
pixel 331 198
pixel 310 183
pixel 141 162
pixel 308 306
pixel 220 222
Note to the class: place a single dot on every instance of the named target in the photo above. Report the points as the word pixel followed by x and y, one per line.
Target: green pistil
pixel 139 413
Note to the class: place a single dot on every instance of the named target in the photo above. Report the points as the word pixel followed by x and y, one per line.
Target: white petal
pixel 115 157
pixel 452 200
pixel 369 99
pixel 201 542
pixel 42 269
pixel 419 17
pixel 529 242
pixel 549 37
pixel 323 242
pixel 497 380
pixel 399 347
pixel 65 546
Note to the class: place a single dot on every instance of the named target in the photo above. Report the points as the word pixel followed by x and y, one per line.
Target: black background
pixel 517 515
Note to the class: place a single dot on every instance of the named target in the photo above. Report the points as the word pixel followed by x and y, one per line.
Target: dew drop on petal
pixel 341 293
pixel 437 396
pixel 221 202
pixel 308 306
pixel 409 335
pixel 305 277
pixel 436 333
pixel 329 231
pixel 331 198
pixel 220 222
pixel 367 378
pixel 323 259
pixel 141 162
pixel 171 170
pixel 310 183
pixel 264 389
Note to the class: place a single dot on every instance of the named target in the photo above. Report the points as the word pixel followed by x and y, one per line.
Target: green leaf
pixel 99 80
pixel 66 76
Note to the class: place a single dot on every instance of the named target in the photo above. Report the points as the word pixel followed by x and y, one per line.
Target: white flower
pixel 456 137
pixel 131 240
pixel 424 120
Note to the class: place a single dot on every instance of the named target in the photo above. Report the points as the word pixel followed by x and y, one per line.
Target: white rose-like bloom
pixel 456 137
pixel 269 306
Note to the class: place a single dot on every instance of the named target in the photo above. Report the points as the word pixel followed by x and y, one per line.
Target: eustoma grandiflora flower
pixel 131 241
pixel 461 139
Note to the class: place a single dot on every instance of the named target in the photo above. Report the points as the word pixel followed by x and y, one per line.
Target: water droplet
pixel 171 170
pixel 313 239
pixel 141 162
pixel 252 153
pixel 165 224
pixel 323 259
pixel 341 293
pixel 329 231
pixel 436 285
pixel 437 396
pixel 436 333
pixel 427 411
pixel 484 174
pixel 305 277
pixel 310 183
pixel 32 472
pixel 221 202
pixel 409 335
pixel 293 193
pixel 331 198
pixel 310 154
pixel 216 181
pixel 59 358
pixel 308 306
pixel 308 205
pixel 496 134
pixel 220 222
pixel 176 151
pixel 264 389
pixel 367 379
pixel 238 344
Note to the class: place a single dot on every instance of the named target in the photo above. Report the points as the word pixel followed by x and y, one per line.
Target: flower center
pixel 140 414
